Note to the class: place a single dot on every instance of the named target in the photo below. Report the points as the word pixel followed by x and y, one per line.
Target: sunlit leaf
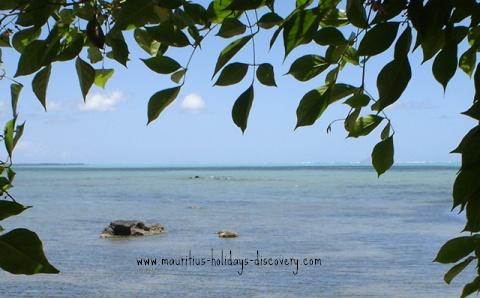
pixel 102 76
pixel 364 125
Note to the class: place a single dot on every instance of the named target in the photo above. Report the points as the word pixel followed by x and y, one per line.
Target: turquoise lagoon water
pixel 374 237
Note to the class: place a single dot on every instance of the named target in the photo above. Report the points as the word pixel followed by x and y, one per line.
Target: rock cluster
pixel 131 228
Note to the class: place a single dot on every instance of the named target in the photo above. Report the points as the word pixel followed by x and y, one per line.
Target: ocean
pixel 317 231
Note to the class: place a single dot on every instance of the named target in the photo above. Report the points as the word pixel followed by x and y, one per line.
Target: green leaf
pixel 71 47
pixel 134 13
pixel 8 209
pixel 329 36
pixel 32 58
pixel 229 51
pixel 456 249
pixel 8 136
pixel 18 135
pixel 246 4
pixel 471 287
pixel 266 74
pixel 382 155
pixel 445 64
pixel 146 42
pixel 468 61
pixel 356 13
pixel 473 111
pixel 119 48
pixel 311 107
pixel 40 84
pixel 303 3
pixel 269 20
pixel 308 67
pixel 299 29
pixel 15 90
pixel 364 125
pixel 159 101
pixel 231 27
pixel 457 269
pixel 162 64
pixel 24 37
pixel 358 101
pixel 378 39
pixel 178 75
pixel 22 253
pixel 316 101
pixel 241 108
pixel 392 80
pixel 102 76
pixel 86 76
pixel 404 42
pixel 232 74
pixel 169 34
pixel 94 55
pixel 385 132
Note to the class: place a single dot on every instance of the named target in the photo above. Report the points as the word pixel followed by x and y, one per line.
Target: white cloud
pixel 102 101
pixel 193 102
pixel 54 105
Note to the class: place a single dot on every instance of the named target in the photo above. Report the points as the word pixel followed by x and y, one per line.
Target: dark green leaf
pixel 471 287
pixel 71 47
pixel 404 42
pixel 169 34
pixel 241 108
pixel 385 132
pixel 308 67
pixel 8 209
pixel 269 20
pixel 231 27
pixel 378 39
pixel 22 253
pixel 24 37
pixel 311 107
pixel 364 125
pixel 382 155
pixel 473 111
pixel 392 80
pixel 162 64
pixel 94 55
pixel 32 58
pixel 232 74
pixel 358 101
pixel 266 75
pixel 445 64
pixel 40 84
pixel 229 51
pixel 119 48
pixel 18 135
pixel 329 36
pixel 86 76
pixel 159 101
pixel 455 270
pixel 456 249
pixel 102 76
pixel 356 13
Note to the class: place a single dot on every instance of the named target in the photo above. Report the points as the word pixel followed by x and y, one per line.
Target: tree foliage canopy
pixel 44 32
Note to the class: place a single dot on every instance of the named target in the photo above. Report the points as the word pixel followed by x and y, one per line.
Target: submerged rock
pixel 227 234
pixel 131 228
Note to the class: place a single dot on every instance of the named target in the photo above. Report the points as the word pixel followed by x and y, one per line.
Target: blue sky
pixel 198 129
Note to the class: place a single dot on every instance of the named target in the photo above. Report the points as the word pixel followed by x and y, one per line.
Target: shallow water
pixel 375 237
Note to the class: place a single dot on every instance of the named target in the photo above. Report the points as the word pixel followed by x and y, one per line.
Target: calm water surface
pixel 375 237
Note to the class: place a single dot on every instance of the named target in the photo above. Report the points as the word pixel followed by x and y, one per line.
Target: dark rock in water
pixel 131 228
pixel 227 234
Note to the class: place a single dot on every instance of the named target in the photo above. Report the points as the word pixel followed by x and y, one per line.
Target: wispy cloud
pixel 193 102
pixel 54 105
pixel 102 101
